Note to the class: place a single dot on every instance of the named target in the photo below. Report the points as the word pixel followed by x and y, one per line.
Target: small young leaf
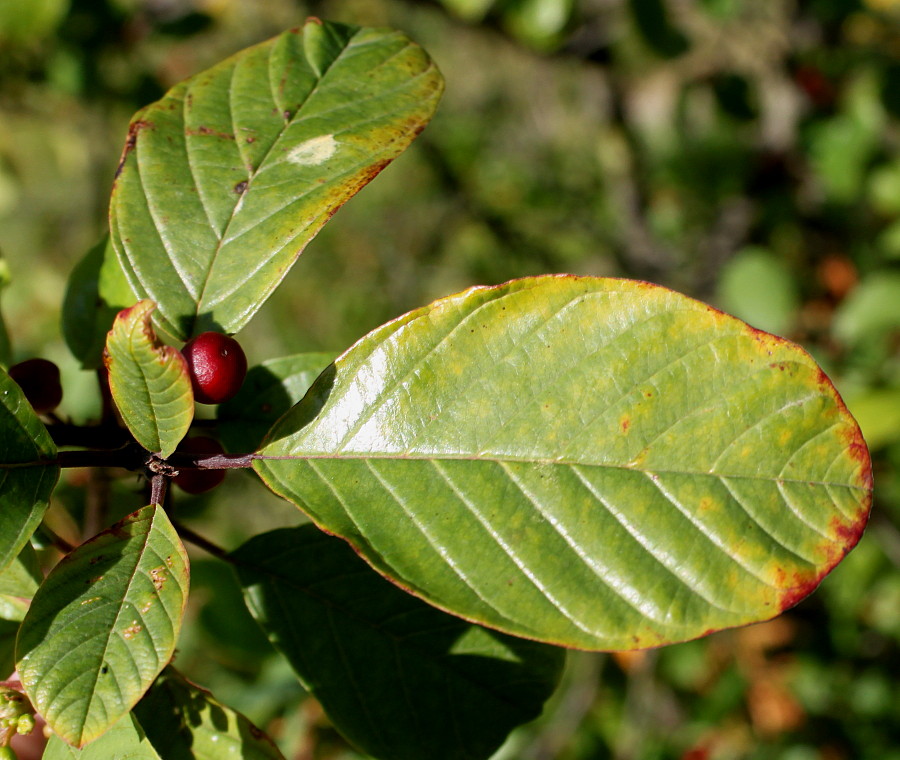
pixel 104 624
pixel 400 679
pixel 598 463
pixel 97 291
pixel 124 741
pixel 184 722
pixel 225 180
pixel 27 471
pixel 149 381
pixel 269 390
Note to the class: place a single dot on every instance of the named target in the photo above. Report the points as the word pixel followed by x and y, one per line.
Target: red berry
pixel 39 381
pixel 217 366
pixel 193 480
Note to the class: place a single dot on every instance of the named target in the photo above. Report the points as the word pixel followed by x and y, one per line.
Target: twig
pixel 158 485
pixel 127 457
pixel 58 541
pixel 88 436
pixel 216 462
pixel 197 540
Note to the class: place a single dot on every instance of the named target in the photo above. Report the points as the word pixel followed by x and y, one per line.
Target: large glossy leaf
pixel 226 179
pixel 104 624
pixel 27 470
pixel 400 679
pixel 97 291
pixel 270 389
pixel 184 722
pixel 149 381
pixel 600 463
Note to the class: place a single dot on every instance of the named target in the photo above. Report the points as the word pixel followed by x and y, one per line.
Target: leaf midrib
pixel 239 203
pixel 544 462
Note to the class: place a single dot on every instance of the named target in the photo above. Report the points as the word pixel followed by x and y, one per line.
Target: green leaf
pixel 5 343
pixel 872 307
pixel 149 382
pixel 8 631
pixel 269 390
pixel 878 412
pixel 599 463
pixel 25 22
pixel 96 293
pixel 27 470
pixel 104 624
pixel 225 180
pixel 651 19
pixel 757 286
pixel 124 741
pixel 23 575
pixel 184 722
pixel 400 679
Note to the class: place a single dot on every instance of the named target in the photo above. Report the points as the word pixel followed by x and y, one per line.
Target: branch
pixel 104 436
pixel 186 460
pixel 130 457
pixel 197 540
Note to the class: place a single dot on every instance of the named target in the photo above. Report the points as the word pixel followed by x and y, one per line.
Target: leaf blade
pixel 399 678
pixel 123 740
pixel 116 601
pixel 596 463
pixel 150 382
pixel 96 292
pixel 182 720
pixel 225 180
pixel 28 472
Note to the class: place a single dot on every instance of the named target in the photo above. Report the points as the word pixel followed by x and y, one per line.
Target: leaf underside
pixel 103 625
pixel 397 677
pixel 27 471
pixel 225 180
pixel 598 463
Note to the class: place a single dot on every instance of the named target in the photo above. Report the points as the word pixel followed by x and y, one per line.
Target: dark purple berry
pixel 217 366
pixel 193 480
pixel 39 381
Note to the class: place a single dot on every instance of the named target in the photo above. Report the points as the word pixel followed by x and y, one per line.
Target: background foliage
pixel 744 153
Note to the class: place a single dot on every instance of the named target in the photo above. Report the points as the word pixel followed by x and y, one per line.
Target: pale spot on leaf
pixel 314 151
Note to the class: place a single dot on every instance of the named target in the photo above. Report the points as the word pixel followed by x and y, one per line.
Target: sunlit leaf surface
pixel 599 463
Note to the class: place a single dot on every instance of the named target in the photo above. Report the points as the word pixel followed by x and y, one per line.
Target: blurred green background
pixel 742 151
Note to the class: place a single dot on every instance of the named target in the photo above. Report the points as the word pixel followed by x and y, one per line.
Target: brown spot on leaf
pixel 131 141
pixel 208 131
pixel 159 577
pixel 240 187
pixel 133 630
